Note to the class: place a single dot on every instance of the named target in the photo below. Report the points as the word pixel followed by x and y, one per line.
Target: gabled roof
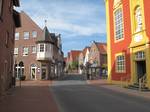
pixel 84 50
pixel 47 37
pixel 102 47
pixel 75 54
pixel 26 19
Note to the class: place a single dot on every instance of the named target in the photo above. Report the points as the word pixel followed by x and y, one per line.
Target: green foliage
pixel 74 65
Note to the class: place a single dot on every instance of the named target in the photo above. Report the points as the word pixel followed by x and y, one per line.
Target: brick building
pixel 72 60
pixel 33 49
pixel 25 47
pixel 98 58
pixel 82 59
pixel 9 20
pixel 128 40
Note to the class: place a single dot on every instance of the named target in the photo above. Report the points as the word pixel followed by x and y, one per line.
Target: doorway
pixel 33 73
pixel 141 69
pixel 43 73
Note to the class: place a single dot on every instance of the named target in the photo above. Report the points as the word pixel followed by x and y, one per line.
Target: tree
pixel 74 65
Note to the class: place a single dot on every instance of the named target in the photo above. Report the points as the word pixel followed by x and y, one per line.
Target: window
pixel 25 51
pixel 6 68
pixel 26 35
pixel 17 36
pixel 7 39
pixel 1 6
pixel 34 34
pixel 140 55
pixel 16 51
pixel 118 24
pixel 41 47
pixel 33 49
pixel 120 64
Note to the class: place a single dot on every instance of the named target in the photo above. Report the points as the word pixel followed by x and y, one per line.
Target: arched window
pixel 118 16
pixel 138 19
pixel 33 65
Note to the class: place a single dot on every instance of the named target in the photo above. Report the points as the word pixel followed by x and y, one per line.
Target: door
pixel 141 69
pixel 33 73
pixel 43 73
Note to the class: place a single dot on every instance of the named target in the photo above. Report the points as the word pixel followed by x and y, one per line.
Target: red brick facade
pixel 28 25
pixel 9 19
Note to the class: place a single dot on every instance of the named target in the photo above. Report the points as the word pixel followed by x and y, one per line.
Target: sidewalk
pixel 118 88
pixel 33 96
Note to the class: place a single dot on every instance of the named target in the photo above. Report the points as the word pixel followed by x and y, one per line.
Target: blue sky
pixel 78 21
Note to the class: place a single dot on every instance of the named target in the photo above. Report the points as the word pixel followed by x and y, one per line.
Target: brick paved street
pixel 33 96
pixel 73 95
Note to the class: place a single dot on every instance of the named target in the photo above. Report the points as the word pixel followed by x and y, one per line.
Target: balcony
pixel 44 52
pixel 44 56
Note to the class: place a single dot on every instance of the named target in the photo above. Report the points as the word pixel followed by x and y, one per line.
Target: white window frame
pixel 120 64
pixel 26 35
pixel 33 49
pixel 34 34
pixel 118 24
pixel 42 48
pixel 17 35
pixel 25 51
pixel 16 51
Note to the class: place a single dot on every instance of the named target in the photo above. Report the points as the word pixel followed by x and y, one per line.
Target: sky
pixel 78 21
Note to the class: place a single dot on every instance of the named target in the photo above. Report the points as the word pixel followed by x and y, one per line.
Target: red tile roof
pixel 102 47
pixel 75 54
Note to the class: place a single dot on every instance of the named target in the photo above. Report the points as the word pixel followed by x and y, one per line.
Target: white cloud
pixel 72 18
pixel 80 19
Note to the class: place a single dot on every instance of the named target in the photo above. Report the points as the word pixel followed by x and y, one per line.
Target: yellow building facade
pixel 128 23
